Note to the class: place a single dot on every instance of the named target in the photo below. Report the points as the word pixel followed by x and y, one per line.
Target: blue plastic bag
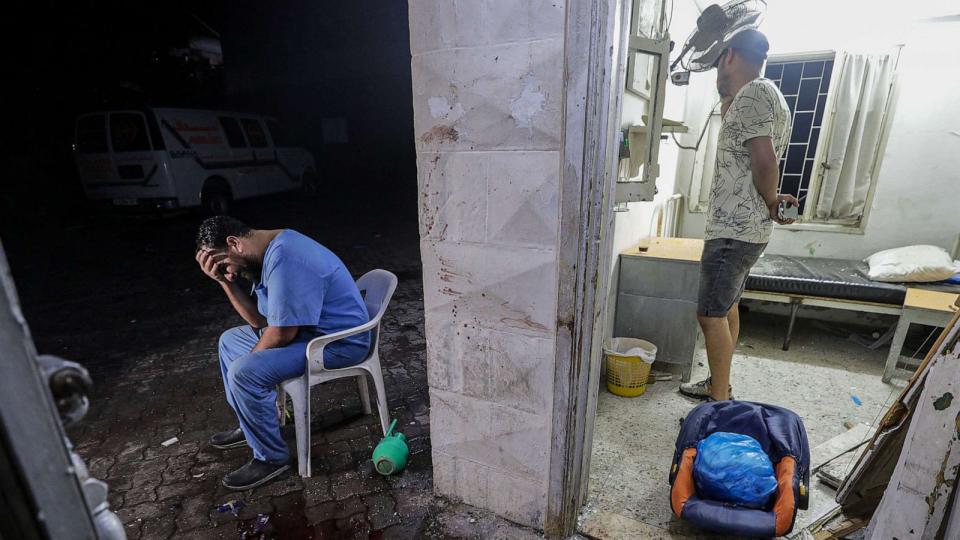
pixel 733 468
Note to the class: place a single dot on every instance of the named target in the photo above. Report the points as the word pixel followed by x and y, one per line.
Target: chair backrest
pixel 377 287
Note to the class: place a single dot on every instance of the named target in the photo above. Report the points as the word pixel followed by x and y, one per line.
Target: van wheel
pixel 310 183
pixel 217 203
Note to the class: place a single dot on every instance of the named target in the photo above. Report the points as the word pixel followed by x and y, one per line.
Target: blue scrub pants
pixel 250 381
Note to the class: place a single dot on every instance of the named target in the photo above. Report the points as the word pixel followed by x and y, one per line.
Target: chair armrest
pixel 316 345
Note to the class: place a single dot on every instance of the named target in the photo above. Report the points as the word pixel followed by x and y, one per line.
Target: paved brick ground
pixel 124 297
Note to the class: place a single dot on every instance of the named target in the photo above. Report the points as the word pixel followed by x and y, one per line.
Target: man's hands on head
pixel 774 208
pixel 212 263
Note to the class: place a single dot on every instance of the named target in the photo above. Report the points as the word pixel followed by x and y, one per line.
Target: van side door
pixel 243 158
pixel 269 175
pixel 290 158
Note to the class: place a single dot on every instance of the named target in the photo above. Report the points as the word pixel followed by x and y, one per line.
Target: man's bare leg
pixel 719 343
pixel 733 319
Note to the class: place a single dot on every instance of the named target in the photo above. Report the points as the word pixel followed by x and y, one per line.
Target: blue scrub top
pixel 304 284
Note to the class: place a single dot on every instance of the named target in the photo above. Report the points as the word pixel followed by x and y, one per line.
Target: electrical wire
pixel 670 20
pixel 883 410
pixel 706 126
pixel 664 22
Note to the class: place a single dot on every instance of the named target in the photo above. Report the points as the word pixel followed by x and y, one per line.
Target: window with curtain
pixel 804 83
pixel 839 103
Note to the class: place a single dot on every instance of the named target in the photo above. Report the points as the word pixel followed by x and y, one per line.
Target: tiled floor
pixel 135 309
pixel 634 437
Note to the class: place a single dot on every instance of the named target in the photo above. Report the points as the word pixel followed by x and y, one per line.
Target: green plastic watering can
pixel 390 455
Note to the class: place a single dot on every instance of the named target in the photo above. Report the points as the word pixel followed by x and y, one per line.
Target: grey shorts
pixel 724 267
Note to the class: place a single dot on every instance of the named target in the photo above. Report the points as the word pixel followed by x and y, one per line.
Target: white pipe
pixel 657 210
pixel 671 213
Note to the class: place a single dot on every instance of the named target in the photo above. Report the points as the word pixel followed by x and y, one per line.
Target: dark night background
pixel 302 62
pixel 121 293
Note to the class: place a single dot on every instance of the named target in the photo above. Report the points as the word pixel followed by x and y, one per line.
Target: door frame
pixel 32 439
pixel 594 53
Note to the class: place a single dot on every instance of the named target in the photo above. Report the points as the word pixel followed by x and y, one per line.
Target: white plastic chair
pixel 378 287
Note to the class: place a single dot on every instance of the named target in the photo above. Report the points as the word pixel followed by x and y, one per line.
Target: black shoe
pixel 226 440
pixel 253 474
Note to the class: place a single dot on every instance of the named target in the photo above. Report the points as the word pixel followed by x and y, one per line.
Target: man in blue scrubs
pixel 301 291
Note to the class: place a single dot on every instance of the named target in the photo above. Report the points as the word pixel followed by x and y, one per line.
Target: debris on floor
pixel 631 499
pixel 233 506
pixel 254 529
pixel 903 483
pixel 659 376
pixel 169 442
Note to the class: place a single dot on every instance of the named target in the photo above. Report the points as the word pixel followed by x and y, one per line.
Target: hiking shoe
pixel 254 473
pixel 700 390
pixel 226 440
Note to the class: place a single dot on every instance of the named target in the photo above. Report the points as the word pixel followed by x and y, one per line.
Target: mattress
pixel 829 278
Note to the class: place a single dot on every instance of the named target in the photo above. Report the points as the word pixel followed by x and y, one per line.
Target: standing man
pixel 302 290
pixel 744 201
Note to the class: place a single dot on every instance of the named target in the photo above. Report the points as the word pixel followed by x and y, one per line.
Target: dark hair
pixel 214 231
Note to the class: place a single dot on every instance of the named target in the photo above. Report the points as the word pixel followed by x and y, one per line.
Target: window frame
pixel 809 223
pixel 246 132
pixel 816 180
pixel 825 126
pixel 269 124
pixel 226 136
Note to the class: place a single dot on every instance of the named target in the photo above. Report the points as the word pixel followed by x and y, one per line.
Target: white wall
pixel 640 221
pixel 919 173
pixel 636 224
pixel 488 92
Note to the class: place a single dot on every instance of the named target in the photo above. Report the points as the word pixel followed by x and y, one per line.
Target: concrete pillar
pixel 488 103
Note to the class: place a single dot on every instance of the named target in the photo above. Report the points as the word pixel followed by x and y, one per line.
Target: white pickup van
pixel 180 158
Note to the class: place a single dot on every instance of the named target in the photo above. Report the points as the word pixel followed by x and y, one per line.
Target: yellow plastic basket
pixel 627 374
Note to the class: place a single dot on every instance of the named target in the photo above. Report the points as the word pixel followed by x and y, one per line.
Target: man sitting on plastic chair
pixel 301 291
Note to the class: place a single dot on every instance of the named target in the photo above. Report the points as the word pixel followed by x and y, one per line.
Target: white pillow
pixel 911 263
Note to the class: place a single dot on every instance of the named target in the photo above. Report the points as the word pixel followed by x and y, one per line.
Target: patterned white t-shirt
pixel 736 208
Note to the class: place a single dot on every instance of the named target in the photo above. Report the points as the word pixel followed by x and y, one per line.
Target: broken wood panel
pixel 951 529
pixel 860 491
pixel 841 529
pixel 916 500
pixel 822 509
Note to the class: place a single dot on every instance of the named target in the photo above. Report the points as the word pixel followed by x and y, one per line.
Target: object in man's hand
pixel 788 210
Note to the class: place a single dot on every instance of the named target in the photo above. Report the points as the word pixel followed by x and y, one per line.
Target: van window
pixel 92 134
pixel 128 132
pixel 277 134
pixel 232 130
pixel 254 131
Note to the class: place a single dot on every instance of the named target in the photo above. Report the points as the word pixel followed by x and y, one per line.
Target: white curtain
pixel 862 86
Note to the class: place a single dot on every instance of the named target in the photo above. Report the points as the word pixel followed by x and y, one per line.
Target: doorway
pixel 831 381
